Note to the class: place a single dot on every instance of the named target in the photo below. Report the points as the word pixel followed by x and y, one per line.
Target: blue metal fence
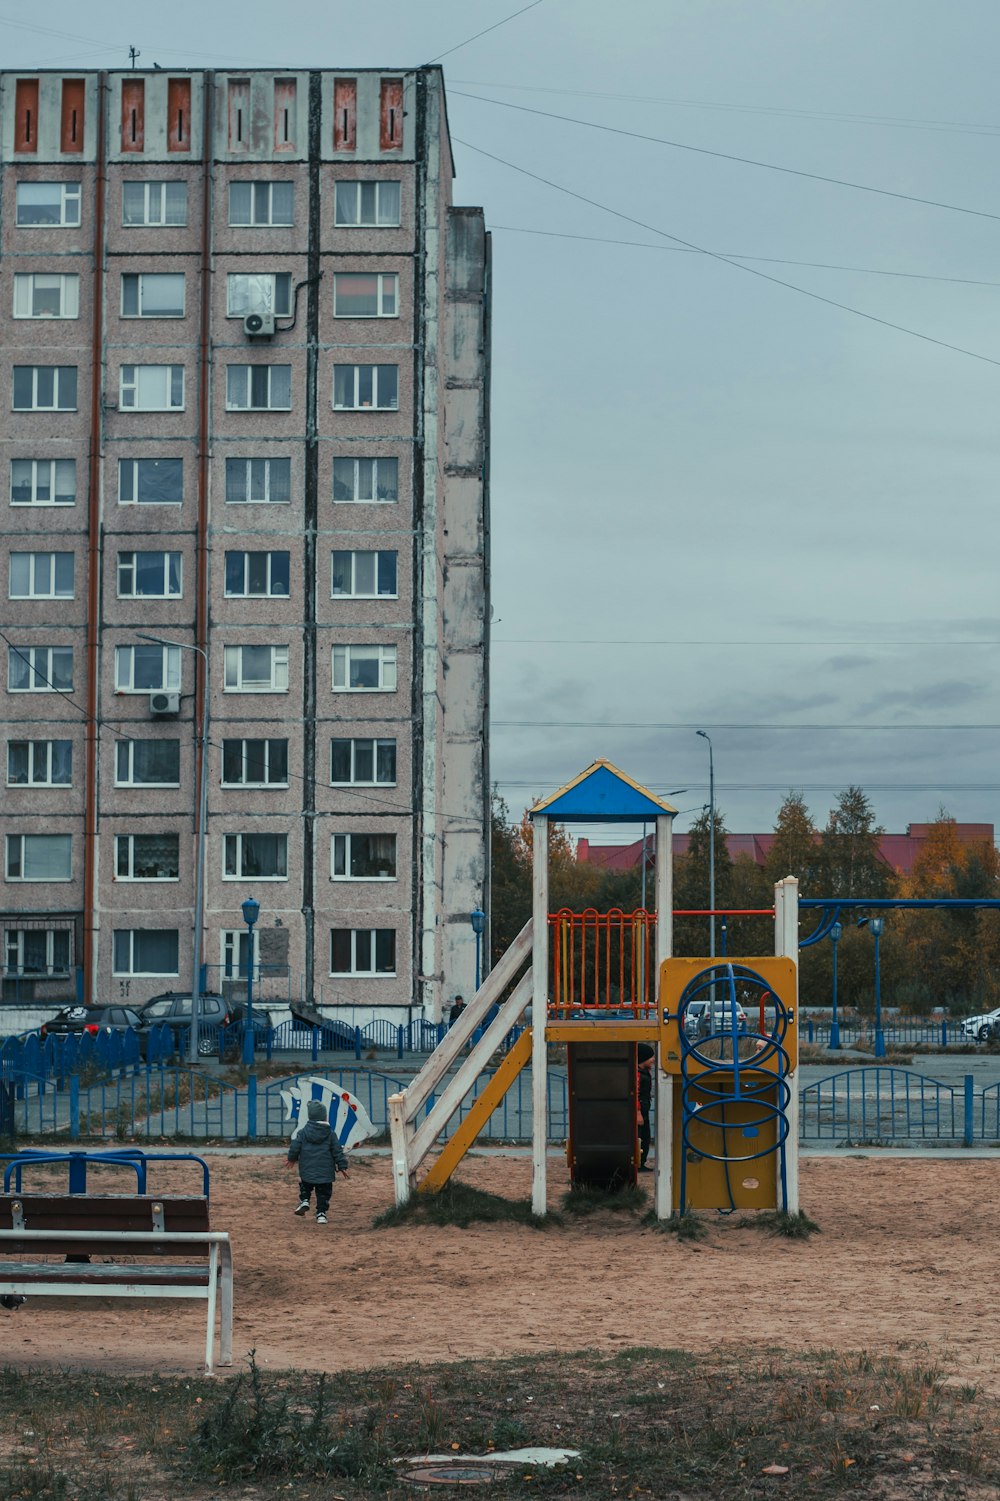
pixel 903 1032
pixel 893 1104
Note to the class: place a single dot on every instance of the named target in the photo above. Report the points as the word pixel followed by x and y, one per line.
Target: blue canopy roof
pixel 603 794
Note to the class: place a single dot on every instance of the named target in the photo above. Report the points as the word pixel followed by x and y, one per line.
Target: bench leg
pixel 226 1320
pixel 213 1274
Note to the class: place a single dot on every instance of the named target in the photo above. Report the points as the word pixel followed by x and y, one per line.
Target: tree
pixel 850 863
pixel 796 848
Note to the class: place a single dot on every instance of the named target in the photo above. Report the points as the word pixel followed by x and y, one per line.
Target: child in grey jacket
pixel 320 1157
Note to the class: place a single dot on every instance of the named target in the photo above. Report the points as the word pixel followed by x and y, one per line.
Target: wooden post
pixel 539 1012
pixel 663 1165
pixel 397 1135
pixel 786 942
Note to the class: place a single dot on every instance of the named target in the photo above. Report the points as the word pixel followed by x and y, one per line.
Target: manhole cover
pixel 456 1474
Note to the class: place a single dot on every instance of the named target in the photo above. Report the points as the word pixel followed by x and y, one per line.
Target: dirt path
pixel 906 1264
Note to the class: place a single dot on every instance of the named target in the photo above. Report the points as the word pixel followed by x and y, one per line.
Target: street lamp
pixel 835 935
pixel 199 884
pixel 478 921
pixel 251 912
pixel 711 843
pixel 876 924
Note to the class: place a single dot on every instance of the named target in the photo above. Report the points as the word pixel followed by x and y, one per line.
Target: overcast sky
pixel 717 503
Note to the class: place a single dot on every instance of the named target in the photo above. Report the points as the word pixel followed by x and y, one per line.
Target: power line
pixel 496 25
pixel 736 255
pixel 681 641
pixel 714 255
pixel 646 724
pixel 728 156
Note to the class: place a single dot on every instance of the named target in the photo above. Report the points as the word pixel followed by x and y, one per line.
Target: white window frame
pixel 265 292
pixel 371 973
pixel 154 214
pixel 132 972
pixel 233 680
pixel 39 751
pixel 129 747
pixel 127 564
pixel 129 468
pixel 43 568
pixel 133 378
pixel 248 780
pixel 233 465
pixel 69 196
pixel 386 293
pixel 375 463
pixel 233 378
pixel 33 655
pixel 359 184
pixel 58 380
pixel 170 670
pixel 341 855
pixel 28 283
pixel 386 657
pixel 256 194
pixel 51 469
pixel 141 278
pixel 233 943
pixel 354 553
pixel 246 554
pixel 125 845
pixel 16 842
pixel 14 950
pixel 237 849
pixel 380 402
pixel 354 742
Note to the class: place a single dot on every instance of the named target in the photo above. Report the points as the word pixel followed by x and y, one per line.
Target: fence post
pixel 269 1043
pixel 357 1042
pixel 74 1107
pixel 252 1107
pixel 399 1042
pixel 967 1137
pixel 944 1034
pixel 809 1028
pixel 315 1043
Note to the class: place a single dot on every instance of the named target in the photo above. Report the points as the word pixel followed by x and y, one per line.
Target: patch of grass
pixel 780 1222
pixel 584 1199
pixel 462 1205
pixel 686 1226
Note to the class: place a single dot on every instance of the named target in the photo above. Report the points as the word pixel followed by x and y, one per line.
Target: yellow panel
pixel 780 974
pixel 597 1030
pixel 747 1184
pixel 479 1113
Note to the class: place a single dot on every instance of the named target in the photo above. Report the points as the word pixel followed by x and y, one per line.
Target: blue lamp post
pixel 478 921
pixel 835 935
pixel 251 912
pixel 876 925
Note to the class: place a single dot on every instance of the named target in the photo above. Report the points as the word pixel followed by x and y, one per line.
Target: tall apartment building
pixel 245 377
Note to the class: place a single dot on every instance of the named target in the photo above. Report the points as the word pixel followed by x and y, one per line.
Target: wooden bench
pixel 152 1228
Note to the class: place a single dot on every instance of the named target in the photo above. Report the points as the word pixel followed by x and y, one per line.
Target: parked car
pixel 174 1009
pixel 92 1019
pixel 981 1028
pixel 706 1018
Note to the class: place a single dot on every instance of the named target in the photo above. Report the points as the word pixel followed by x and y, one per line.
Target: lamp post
pixel 835 935
pixel 876 925
pixel 251 912
pixel 478 921
pixel 199 882
pixel 711 843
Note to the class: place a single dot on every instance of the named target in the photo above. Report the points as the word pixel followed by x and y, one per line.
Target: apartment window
pixel 260 204
pixel 363 857
pixel 364 295
pixel 256 669
pixel 235 950
pixel 43 294
pixel 44 388
pixel 364 669
pixel 258 293
pixel 257 573
pixel 41 575
pixel 356 387
pixel 362 951
pixel 359 481
pixel 366 763
pixel 147 669
pixel 258 388
pixel 363 575
pixel 147 763
pixel 257 857
pixel 374 205
pixel 145 951
pixel 147 857
pixel 154 204
pixel 40 669
pixel 48 205
pixel 149 575
pixel 258 481
pixel 42 482
pixel 42 952
pixel 39 857
pixel 150 482
pixel 152 388
pixel 153 294
pixel 255 763
pixel 39 763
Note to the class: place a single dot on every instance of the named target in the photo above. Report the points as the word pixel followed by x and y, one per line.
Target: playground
pixel 904 1265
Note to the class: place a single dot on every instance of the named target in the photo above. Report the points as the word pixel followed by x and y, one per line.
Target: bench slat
pixel 85 1212
pixel 105 1272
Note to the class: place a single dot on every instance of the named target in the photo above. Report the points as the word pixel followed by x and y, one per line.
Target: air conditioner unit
pixel 259 325
pixel 164 703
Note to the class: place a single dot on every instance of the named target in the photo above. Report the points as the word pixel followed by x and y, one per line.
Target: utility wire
pixel 727 156
pixel 601 641
pixel 715 256
pixel 639 724
pixel 496 25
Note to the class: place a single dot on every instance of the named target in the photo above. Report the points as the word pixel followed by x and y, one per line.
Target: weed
pixel 686 1226
pixel 462 1205
pixel 584 1198
pixel 780 1222
pixel 32 1482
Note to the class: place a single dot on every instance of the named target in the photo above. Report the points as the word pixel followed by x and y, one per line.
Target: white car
pixel 702 1021
pixel 981 1028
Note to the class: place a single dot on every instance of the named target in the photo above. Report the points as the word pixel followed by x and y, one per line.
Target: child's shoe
pixel 303 1207
pixel 321 1219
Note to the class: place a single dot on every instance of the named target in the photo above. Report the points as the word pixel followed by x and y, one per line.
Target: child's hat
pixel 315 1111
